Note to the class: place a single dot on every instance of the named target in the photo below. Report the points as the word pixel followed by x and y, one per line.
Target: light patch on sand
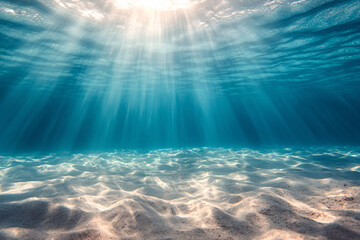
pixel 282 235
pixel 22 187
pixel 181 194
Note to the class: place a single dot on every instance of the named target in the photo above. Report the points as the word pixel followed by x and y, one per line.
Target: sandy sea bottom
pixel 207 193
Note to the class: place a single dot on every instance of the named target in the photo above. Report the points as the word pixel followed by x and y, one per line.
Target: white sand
pixel 182 194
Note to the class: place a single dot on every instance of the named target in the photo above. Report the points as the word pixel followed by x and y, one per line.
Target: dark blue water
pixel 93 76
pixel 179 119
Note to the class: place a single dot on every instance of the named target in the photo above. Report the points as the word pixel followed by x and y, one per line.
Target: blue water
pixel 91 76
pixel 179 119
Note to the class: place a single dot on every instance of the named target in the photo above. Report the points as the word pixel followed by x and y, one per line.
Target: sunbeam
pixel 179 119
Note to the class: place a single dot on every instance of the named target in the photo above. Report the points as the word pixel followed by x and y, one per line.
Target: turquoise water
pixel 179 119
pixel 93 76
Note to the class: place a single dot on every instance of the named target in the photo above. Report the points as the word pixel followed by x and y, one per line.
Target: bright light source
pixel 160 5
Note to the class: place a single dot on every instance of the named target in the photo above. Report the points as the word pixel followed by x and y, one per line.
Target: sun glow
pixel 160 5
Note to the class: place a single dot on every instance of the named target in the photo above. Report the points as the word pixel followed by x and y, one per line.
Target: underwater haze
pixel 85 75
pixel 179 119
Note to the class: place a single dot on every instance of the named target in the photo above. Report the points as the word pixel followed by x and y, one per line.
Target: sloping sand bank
pixel 182 194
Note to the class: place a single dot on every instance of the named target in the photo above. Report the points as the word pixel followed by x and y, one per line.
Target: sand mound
pixel 182 194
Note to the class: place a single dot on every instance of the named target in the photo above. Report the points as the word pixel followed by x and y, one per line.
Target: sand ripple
pixel 182 194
